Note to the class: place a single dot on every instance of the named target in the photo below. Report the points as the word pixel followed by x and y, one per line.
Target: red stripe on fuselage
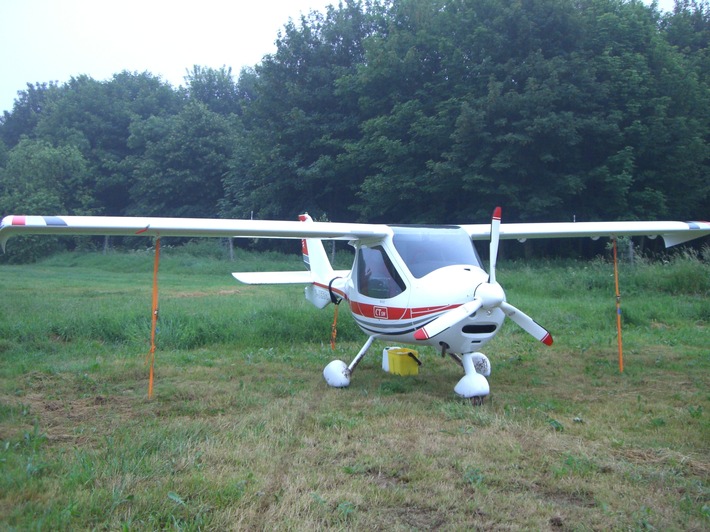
pixel 367 310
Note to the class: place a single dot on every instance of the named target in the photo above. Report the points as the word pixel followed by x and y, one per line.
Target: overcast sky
pixel 53 40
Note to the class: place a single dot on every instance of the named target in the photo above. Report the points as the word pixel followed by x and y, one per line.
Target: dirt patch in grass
pixel 71 420
pixel 667 458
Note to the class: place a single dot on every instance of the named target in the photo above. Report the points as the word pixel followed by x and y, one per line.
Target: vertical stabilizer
pixel 322 274
pixel 315 257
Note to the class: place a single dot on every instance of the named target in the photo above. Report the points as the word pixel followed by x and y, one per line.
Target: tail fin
pixel 322 274
pixel 315 257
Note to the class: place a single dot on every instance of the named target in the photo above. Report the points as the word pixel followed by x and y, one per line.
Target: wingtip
pixel 547 340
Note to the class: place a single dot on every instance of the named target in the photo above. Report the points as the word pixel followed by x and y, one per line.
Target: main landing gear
pixel 473 385
pixel 337 373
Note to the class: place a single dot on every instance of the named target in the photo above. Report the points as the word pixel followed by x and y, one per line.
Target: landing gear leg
pixel 473 385
pixel 337 374
pixel 445 351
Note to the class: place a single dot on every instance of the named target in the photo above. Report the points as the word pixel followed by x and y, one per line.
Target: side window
pixel 376 275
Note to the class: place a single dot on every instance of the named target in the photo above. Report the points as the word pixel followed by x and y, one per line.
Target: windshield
pixel 425 249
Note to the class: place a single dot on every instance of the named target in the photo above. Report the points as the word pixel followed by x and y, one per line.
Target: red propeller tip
pixel 421 335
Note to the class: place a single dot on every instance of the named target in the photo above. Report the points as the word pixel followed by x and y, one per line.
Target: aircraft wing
pixel 672 232
pixel 185 227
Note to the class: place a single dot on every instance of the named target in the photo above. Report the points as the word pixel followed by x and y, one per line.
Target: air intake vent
pixel 479 329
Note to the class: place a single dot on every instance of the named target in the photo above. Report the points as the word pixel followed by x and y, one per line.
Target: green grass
pixel 243 433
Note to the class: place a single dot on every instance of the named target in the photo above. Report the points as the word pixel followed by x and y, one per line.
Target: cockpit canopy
pixel 423 250
pixel 426 249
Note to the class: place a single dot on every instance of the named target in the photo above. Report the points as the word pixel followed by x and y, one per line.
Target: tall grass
pixel 244 434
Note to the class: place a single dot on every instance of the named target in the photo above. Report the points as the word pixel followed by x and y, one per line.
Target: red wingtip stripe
pixel 547 340
pixel 18 220
pixel 497 213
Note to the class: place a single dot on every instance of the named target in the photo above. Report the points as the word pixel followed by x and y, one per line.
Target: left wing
pixel 186 227
pixel 672 232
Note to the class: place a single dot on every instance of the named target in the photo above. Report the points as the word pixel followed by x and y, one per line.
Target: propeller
pixel 495 238
pixel 447 320
pixel 487 295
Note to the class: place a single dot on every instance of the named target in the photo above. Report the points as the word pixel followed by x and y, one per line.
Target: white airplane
pixel 420 285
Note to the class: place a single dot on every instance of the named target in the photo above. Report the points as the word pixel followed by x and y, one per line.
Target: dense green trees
pixel 399 111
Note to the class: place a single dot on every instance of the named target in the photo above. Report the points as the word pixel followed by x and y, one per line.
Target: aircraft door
pixel 377 277
pixel 382 292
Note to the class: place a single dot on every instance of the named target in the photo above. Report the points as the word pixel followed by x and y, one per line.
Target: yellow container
pixel 403 361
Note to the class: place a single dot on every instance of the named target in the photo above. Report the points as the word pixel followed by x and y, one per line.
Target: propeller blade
pixel 495 238
pixel 446 320
pixel 527 323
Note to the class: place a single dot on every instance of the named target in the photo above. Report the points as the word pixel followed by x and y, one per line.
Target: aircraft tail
pixel 315 257
pixel 320 277
pixel 322 273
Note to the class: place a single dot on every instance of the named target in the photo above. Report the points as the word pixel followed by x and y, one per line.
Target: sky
pixel 54 40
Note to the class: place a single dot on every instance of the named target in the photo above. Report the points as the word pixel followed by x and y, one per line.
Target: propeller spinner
pixel 487 295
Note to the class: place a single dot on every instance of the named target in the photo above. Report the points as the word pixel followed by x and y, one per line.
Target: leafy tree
pixel 215 88
pixel 296 119
pixel 26 111
pixel 40 178
pixel 96 117
pixel 551 108
pixel 182 161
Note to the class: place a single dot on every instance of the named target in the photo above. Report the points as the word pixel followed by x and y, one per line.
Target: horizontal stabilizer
pixel 297 277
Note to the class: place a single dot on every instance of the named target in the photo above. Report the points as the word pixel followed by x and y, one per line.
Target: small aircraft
pixel 411 284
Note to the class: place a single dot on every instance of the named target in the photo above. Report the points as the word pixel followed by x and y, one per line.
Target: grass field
pixel 243 432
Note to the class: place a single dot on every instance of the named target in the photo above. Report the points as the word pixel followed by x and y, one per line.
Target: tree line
pixel 397 111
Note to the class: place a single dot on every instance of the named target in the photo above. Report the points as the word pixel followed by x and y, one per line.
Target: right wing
pixel 673 233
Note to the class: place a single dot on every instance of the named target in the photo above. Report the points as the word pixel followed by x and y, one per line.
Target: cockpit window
pixel 425 249
pixel 376 275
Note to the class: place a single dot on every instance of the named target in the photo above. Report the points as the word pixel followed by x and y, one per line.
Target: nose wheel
pixel 474 385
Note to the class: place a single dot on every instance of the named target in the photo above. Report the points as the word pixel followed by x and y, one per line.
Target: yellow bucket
pixel 401 361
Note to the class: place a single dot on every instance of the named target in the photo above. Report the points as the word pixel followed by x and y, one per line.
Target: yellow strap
pixel 618 310
pixel 154 320
pixel 334 328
